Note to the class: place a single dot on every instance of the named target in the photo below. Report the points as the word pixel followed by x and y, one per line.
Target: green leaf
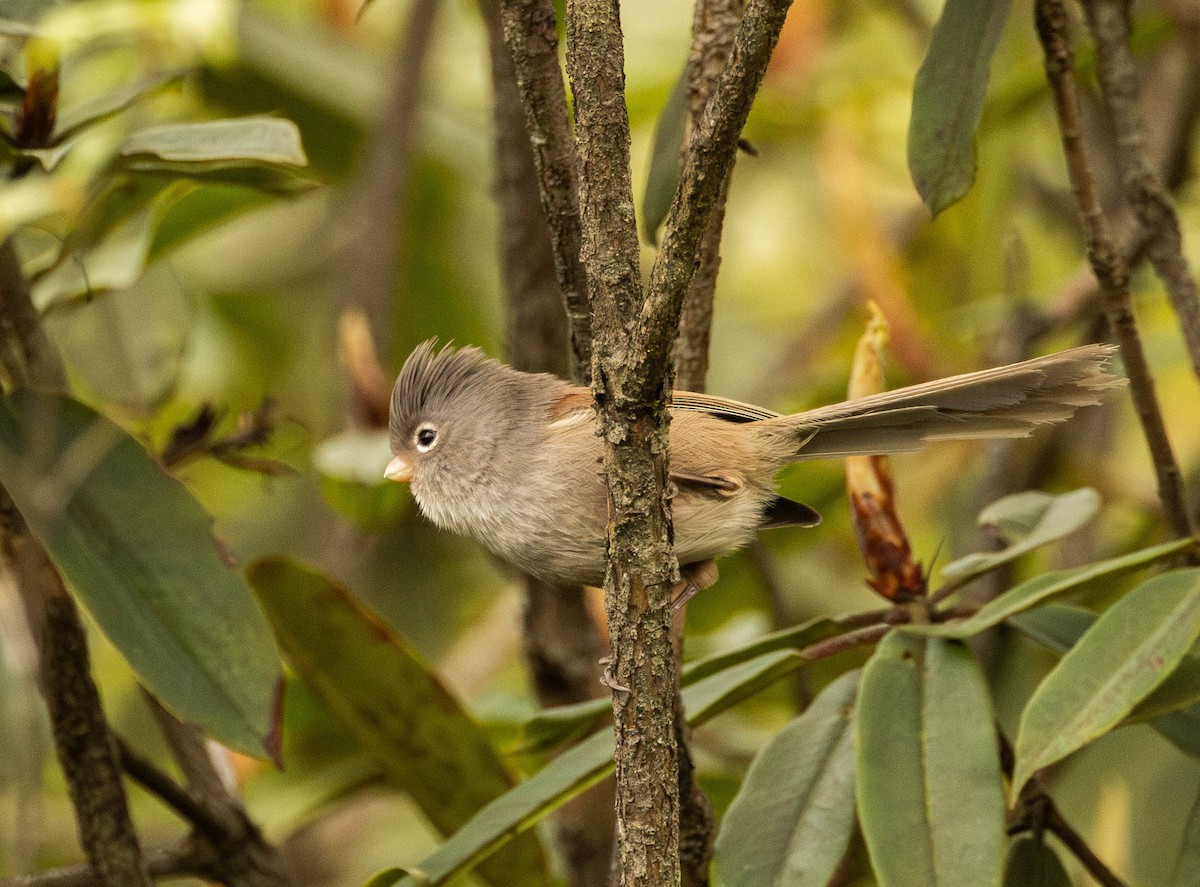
pixel 1186 871
pixel 75 118
pixel 794 638
pixel 1026 521
pixel 1130 650
pixel 138 550
pixel 1055 626
pixel 115 263
pixel 791 821
pixel 930 799
pixel 1059 628
pixel 555 726
pixel 579 768
pixel 1032 863
pixel 1045 588
pixel 381 690
pixel 256 152
pixel 271 140
pixel 666 159
pixel 948 99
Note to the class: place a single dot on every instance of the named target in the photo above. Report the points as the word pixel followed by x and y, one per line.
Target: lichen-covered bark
pixel 531 32
pixel 634 426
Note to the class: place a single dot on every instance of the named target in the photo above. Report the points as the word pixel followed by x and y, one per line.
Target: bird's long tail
pixel 1008 401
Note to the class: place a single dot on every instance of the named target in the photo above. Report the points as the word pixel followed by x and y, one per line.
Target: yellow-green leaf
pixel 930 799
pixel 1130 650
pixel 393 703
pixel 138 550
pixel 791 821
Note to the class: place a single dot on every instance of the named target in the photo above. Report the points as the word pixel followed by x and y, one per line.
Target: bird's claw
pixel 607 679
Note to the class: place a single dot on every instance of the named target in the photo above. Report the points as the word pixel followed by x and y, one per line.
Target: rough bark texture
pixel 634 426
pixel 713 28
pixel 85 747
pixel 562 643
pixel 531 32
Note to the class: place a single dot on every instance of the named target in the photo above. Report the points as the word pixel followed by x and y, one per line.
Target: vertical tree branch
pixel 562 643
pixel 714 25
pixel 710 155
pixel 1107 265
pixel 633 423
pixel 86 749
pixel 531 32
pixel 1109 24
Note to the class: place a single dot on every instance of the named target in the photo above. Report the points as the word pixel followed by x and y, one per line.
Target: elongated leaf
pixel 948 99
pixel 574 771
pixel 795 638
pixel 1026 521
pixel 73 119
pixel 1130 650
pixel 666 159
pixel 1049 586
pixel 1032 863
pixel 555 726
pixel 271 140
pixel 138 550
pixel 257 152
pixel 1059 628
pixel 1055 626
pixel 393 703
pixel 930 799
pixel 791 821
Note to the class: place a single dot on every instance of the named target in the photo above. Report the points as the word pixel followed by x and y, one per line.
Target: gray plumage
pixel 515 462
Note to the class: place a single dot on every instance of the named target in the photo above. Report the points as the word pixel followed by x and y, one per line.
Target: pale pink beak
pixel 399 470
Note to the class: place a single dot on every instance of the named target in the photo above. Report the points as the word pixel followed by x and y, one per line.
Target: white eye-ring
pixel 425 438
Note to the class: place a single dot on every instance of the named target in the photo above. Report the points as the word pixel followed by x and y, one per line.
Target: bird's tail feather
pixel 1008 401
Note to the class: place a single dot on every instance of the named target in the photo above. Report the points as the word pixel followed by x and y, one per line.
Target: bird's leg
pixel 693 578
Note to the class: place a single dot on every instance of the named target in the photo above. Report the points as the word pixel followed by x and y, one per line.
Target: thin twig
pixel 709 158
pixel 158 783
pixel 1077 845
pixel 859 637
pixel 714 25
pixel 1109 24
pixel 531 32
pixel 167 863
pixel 1037 812
pixel 1110 271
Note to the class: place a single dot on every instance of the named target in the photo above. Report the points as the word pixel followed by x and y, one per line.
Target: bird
pixel 512 460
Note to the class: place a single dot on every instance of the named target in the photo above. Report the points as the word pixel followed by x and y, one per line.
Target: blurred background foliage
pixel 225 295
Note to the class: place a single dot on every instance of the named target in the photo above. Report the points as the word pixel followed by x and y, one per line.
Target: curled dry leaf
pixel 881 537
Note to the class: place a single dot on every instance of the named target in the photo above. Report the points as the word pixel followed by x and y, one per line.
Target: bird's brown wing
pixel 721 407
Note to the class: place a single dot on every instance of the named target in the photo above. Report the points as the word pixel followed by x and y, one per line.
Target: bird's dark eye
pixel 426 437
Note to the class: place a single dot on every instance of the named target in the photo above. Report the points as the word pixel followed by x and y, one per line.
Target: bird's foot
pixel 607 678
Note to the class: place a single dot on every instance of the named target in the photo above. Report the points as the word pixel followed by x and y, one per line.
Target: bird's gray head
pixel 438 397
